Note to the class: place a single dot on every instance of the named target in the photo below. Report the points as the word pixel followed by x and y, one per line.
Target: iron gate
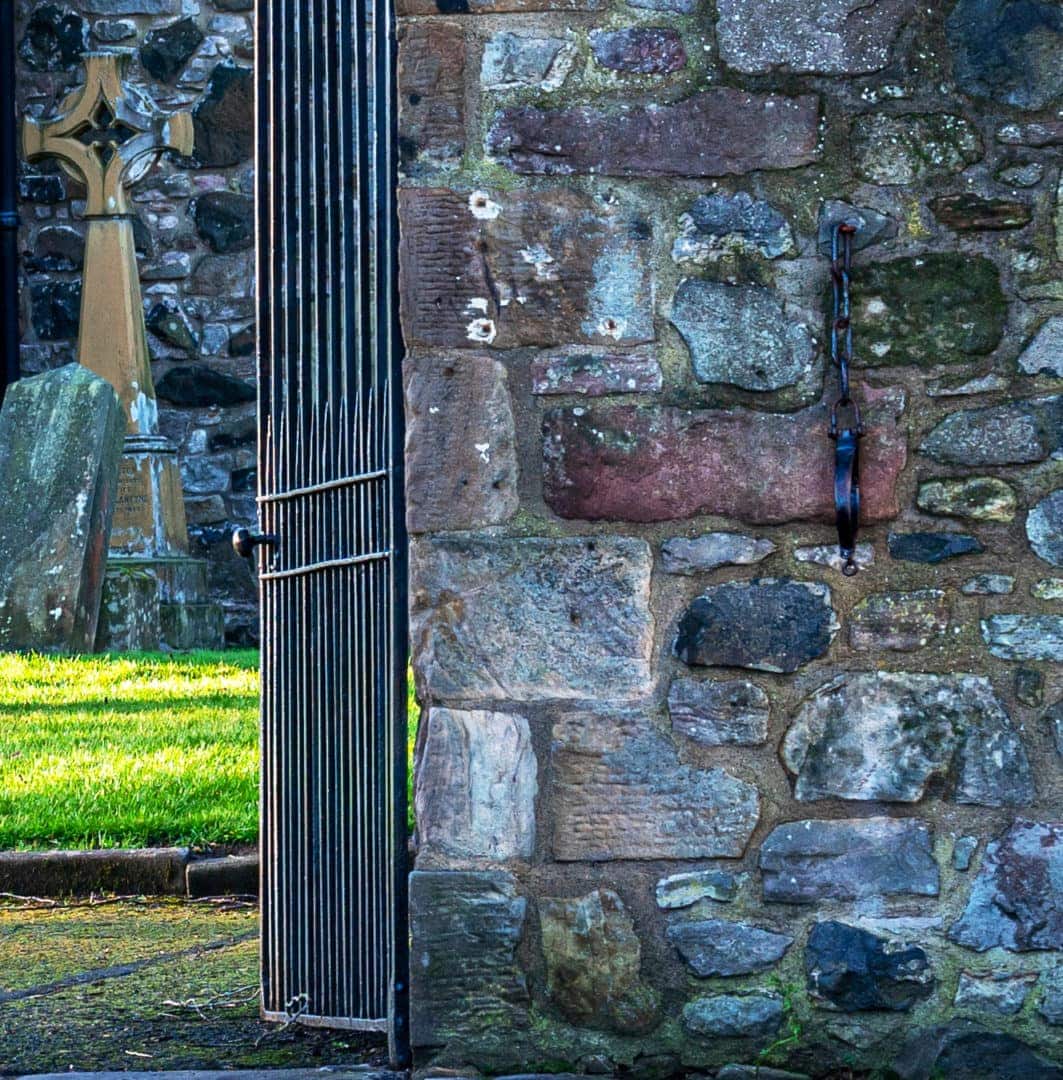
pixel 333 577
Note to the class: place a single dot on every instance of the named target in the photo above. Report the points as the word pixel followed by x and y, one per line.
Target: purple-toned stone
pixel 719 132
pixel 634 463
pixel 638 50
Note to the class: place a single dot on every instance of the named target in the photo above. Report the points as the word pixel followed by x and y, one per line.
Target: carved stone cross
pixel 107 135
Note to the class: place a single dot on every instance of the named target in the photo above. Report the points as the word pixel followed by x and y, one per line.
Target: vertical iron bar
pixel 9 313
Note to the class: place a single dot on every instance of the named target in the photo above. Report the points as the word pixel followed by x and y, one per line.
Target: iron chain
pixel 847 432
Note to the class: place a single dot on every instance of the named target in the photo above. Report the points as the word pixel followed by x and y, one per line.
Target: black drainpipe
pixel 9 338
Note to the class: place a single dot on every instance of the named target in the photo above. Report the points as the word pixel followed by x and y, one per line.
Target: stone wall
pixel 195 241
pixel 686 795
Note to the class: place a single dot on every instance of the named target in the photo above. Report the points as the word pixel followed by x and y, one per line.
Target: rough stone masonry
pixel 690 800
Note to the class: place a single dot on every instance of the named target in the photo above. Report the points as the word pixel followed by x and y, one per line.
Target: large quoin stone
pixel 901 622
pixel 593 957
pixel 1016 433
pixel 431 91
pixel 61 439
pixel 851 969
pixel 711 713
pixel 914 148
pixel 850 859
pixel 723 947
pixel 929 309
pixel 718 132
pixel 1016 902
pixel 507 269
pixel 476 786
pixel 1044 528
pixel 885 736
pixel 531 619
pixel 828 37
pixel 767 624
pixel 464 933
pixel 461 458
pixel 652 463
pixel 734 1015
pixel 621 792
pixel 741 335
pixel 1008 50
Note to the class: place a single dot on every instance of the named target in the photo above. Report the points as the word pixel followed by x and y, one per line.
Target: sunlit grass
pixel 128 751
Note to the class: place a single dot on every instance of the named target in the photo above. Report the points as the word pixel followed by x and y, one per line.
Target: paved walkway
pixel 162 984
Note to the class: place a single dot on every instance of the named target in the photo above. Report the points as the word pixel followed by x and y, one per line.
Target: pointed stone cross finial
pixel 108 135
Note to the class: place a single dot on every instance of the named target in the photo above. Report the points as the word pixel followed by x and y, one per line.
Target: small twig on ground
pixel 229 999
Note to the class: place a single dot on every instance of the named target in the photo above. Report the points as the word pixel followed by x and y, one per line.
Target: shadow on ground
pixel 148 985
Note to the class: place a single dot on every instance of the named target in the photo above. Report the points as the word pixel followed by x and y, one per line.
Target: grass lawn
pixel 131 750
pixel 128 751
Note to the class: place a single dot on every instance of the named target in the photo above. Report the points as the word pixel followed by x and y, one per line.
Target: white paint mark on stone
pixel 482 206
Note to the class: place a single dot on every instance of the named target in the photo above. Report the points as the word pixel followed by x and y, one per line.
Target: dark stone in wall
pixel 938 308
pixel 245 480
pixel 56 307
pixel 55 39
pixel 242 343
pixel 234 5
pixel 56 247
pixel 637 50
pixel 197 384
pixel 168 322
pixel 1008 50
pixel 853 970
pixel 964 1051
pixel 724 947
pixel 717 132
pixel 767 625
pixel 224 118
pixel 226 220
pixel 166 50
pixel 932 548
pixel 47 188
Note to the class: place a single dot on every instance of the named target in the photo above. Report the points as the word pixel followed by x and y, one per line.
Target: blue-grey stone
pixel 1016 901
pixel 1016 433
pixel 1008 50
pixel 849 859
pixel 734 1015
pixel 1044 354
pixel 871 226
pixel 700 554
pixel 1044 528
pixel 723 947
pixel 712 713
pixel 741 335
pixel 685 890
pixel 931 547
pixel 963 852
pixel 1024 637
pixel 720 225
pixel 989 585
pixel 852 970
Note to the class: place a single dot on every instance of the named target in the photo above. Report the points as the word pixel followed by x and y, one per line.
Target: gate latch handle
pixel 245 541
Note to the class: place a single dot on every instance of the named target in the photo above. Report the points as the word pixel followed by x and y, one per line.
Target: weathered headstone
pixel 60 445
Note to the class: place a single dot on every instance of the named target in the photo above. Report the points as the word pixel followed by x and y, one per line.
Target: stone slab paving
pixel 150 985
